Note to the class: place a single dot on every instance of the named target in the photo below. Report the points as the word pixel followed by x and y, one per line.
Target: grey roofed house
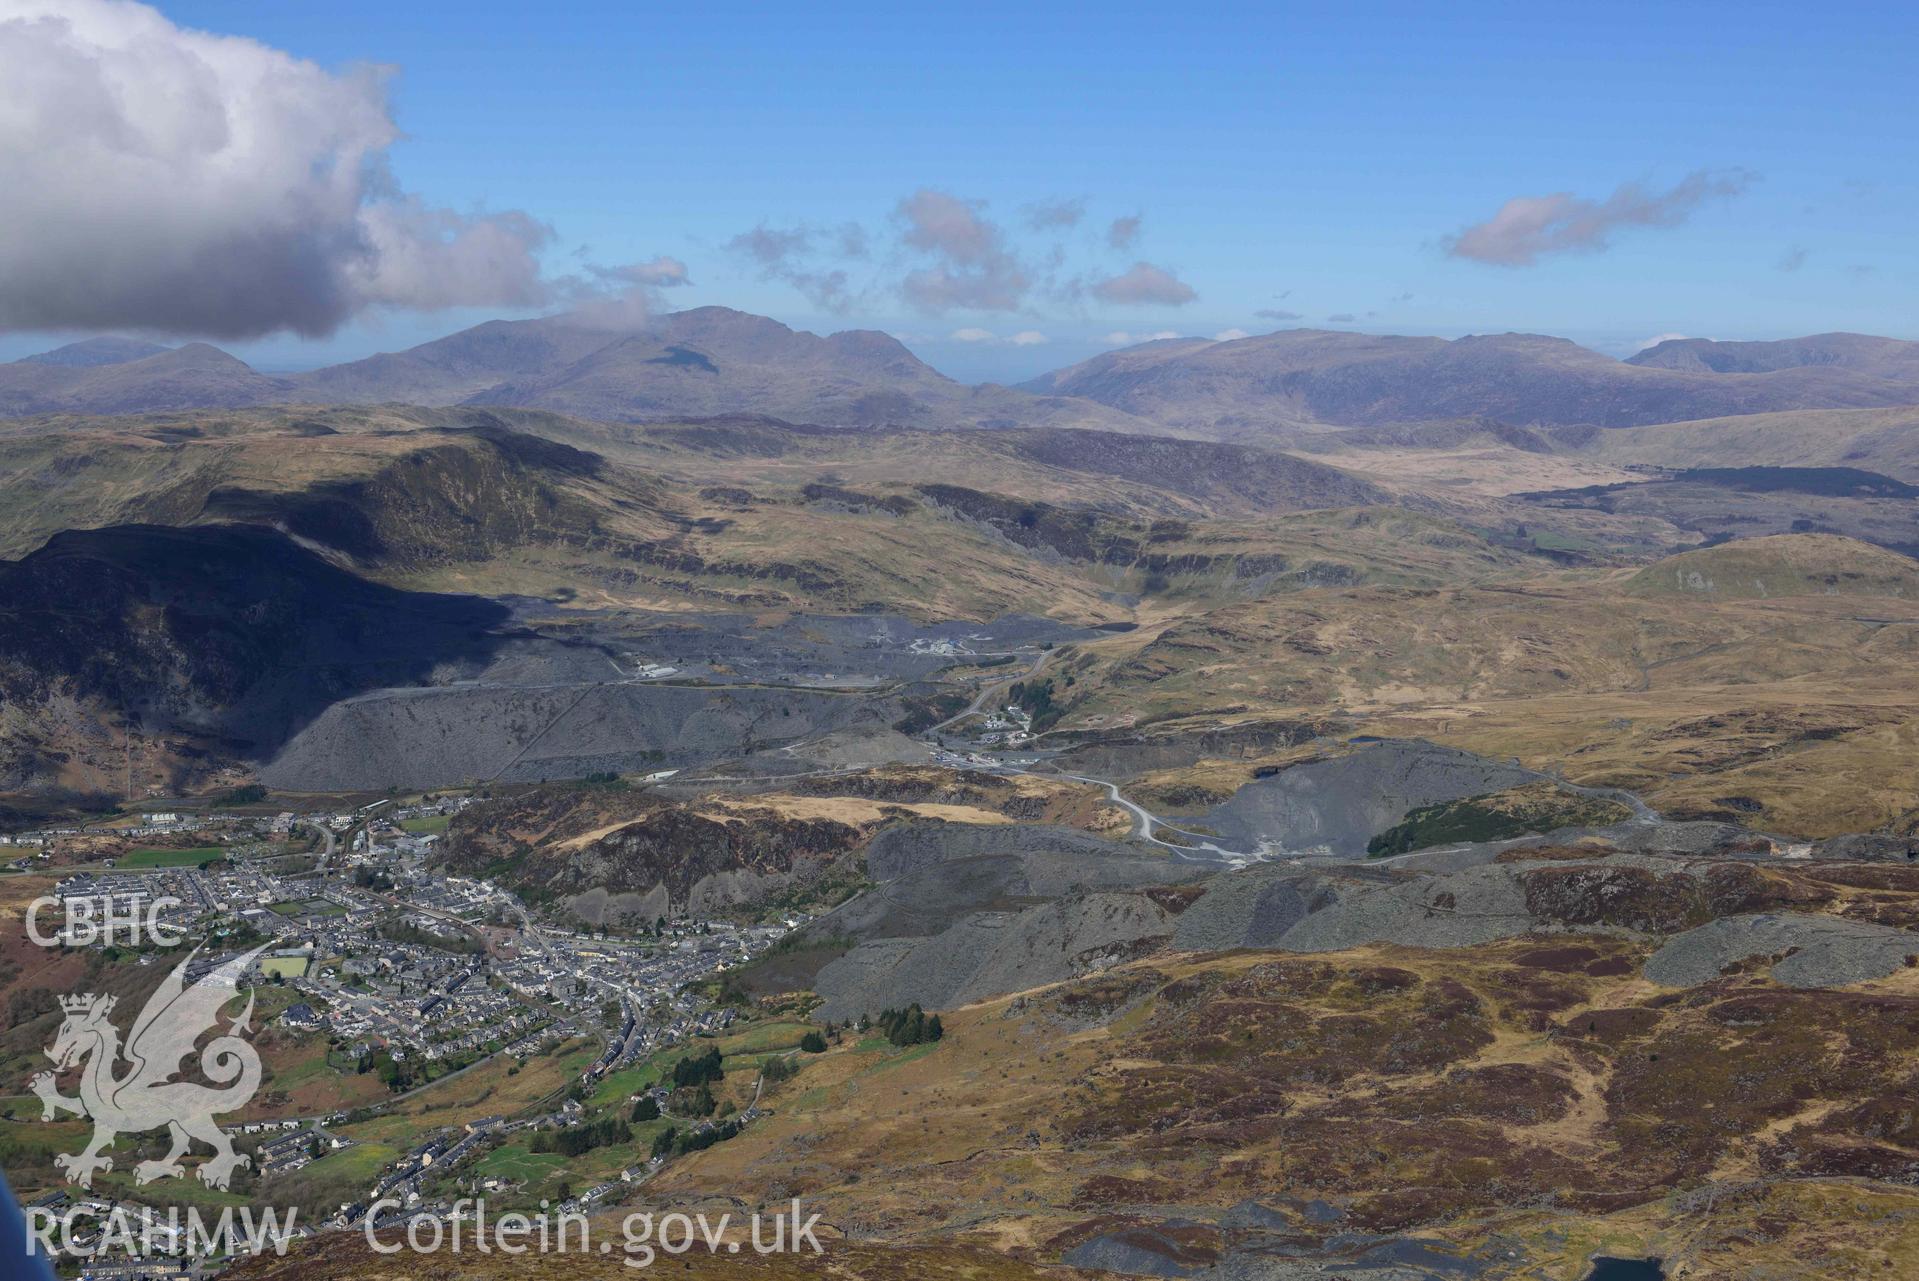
pixel 302 1015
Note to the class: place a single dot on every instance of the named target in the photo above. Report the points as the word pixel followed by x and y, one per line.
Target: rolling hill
pixel 1253 387
pixel 194 376
pixel 1882 357
pixel 1783 565
pixel 708 360
pixel 1881 440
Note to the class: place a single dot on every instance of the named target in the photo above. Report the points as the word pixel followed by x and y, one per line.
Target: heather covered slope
pixel 1510 1108
pixel 1784 565
pixel 1146 475
pixel 1727 703
pixel 1881 440
pixel 1503 1112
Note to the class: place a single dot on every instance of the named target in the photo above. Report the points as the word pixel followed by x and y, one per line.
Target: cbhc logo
pixel 106 918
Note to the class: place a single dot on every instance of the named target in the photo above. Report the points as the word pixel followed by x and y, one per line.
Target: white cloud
pixel 1230 335
pixel 172 180
pixel 1656 339
pixel 1024 338
pixel 1120 338
pixel 656 273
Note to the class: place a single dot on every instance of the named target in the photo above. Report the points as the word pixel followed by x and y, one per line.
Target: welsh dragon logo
pixel 145 1096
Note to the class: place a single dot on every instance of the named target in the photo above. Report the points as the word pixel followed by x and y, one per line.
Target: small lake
pixel 1606 1268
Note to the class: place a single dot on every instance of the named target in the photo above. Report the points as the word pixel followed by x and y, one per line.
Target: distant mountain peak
pixel 196 355
pixel 1866 353
pixel 713 360
pixel 90 353
pixel 1275 382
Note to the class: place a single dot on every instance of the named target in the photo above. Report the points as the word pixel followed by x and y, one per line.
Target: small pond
pixel 1606 1268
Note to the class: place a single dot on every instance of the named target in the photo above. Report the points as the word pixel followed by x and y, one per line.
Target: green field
pixel 515 1161
pixel 360 1163
pixel 543 1172
pixel 306 907
pixel 431 825
pixel 614 1089
pixel 765 1038
pixel 287 967
pixel 173 858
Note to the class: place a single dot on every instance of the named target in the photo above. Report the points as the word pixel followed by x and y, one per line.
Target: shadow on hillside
pixel 235 631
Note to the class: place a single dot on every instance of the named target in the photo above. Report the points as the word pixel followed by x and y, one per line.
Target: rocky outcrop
pixel 664 859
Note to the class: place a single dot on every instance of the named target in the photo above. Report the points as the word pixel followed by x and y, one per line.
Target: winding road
pixel 986 690
pixel 1146 823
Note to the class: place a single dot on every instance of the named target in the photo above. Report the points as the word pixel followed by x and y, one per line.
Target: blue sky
pixel 1301 159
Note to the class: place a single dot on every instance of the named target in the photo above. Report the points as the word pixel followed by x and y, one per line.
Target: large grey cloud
pixel 172 180
pixel 1528 228
pixel 972 267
